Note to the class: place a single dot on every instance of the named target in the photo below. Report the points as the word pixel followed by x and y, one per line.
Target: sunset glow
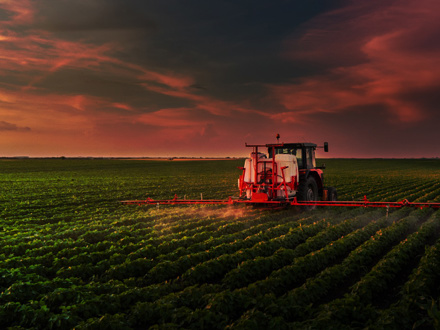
pixel 98 78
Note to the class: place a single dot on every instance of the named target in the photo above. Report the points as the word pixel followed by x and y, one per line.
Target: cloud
pixel 31 52
pixel 86 15
pixel 381 57
pixel 19 12
pixel 5 126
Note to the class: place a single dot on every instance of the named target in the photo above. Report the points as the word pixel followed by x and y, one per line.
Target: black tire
pixel 308 191
pixel 332 194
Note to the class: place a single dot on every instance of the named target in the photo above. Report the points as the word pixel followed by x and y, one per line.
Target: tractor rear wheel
pixel 308 192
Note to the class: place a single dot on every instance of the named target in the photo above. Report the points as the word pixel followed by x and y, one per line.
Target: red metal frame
pixel 267 190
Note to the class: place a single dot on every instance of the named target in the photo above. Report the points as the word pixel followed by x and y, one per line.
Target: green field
pixel 72 257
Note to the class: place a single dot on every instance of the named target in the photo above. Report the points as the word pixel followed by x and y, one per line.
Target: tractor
pixel 286 172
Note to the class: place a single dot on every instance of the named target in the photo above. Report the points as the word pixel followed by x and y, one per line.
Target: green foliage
pixel 71 256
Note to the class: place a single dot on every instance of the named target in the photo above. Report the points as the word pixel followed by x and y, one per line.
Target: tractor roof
pixel 293 145
pixel 288 145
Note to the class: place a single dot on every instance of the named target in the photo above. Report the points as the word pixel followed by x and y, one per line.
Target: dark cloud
pixel 5 126
pixel 426 98
pixel 224 44
pixel 90 16
pixel 104 84
pixel 371 131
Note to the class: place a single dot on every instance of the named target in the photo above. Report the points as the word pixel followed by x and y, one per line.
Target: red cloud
pixel 26 50
pixel 21 11
pixel 168 80
pixel 385 61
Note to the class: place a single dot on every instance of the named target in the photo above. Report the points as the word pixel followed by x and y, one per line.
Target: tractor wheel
pixel 332 194
pixel 308 191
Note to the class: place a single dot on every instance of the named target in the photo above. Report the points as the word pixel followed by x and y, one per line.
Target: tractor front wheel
pixel 308 192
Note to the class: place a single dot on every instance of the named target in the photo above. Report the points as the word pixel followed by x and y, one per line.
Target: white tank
pixel 291 172
pixel 290 161
pixel 248 170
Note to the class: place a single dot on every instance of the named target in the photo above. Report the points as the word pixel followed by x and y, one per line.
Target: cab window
pixel 299 157
pixel 311 162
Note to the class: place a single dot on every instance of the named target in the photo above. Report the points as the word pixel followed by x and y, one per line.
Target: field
pixel 72 257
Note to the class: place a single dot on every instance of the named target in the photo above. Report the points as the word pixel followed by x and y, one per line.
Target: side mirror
pixel 326 146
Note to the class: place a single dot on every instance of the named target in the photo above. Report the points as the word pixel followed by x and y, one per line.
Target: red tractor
pixel 288 171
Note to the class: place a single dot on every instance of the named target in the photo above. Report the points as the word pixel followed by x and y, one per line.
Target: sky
pixel 202 78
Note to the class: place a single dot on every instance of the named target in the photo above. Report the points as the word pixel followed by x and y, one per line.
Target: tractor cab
pixel 304 153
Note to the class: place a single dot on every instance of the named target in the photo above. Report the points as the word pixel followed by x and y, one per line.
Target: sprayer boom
pixel 294 202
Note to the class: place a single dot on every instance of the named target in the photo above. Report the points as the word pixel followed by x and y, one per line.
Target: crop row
pixel 418 298
pixel 65 290
pixel 213 306
pixel 231 303
pixel 68 253
pixel 361 304
pixel 258 268
pixel 333 279
pixel 132 258
pixel 295 303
